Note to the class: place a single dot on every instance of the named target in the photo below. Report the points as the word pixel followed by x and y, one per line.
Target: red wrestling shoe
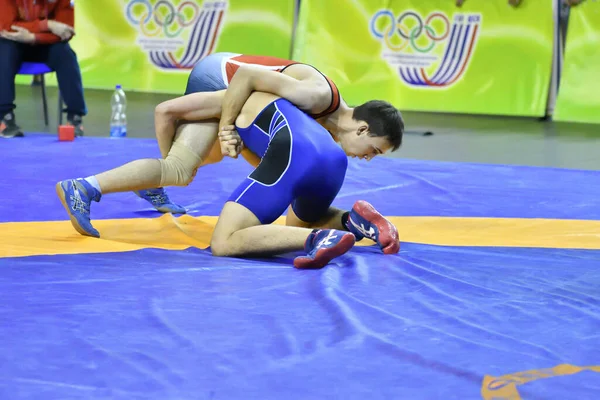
pixel 365 221
pixel 323 246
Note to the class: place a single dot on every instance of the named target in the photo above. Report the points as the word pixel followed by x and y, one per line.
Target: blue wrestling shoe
pixel 160 200
pixel 76 195
pixel 365 221
pixel 322 246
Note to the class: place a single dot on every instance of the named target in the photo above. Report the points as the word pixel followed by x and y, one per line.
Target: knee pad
pixel 180 166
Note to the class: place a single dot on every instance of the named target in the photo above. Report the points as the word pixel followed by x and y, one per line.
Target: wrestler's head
pixel 378 128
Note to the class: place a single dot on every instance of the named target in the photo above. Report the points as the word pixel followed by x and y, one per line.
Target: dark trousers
pixel 58 56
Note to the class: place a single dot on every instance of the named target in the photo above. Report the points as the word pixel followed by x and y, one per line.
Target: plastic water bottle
pixel 118 119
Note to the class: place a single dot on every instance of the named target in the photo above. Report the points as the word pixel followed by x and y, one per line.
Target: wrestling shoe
pixel 76 195
pixel 160 200
pixel 322 246
pixel 365 221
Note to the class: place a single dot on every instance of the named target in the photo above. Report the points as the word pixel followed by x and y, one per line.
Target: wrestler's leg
pixel 240 232
pixel 244 227
pixel 363 221
pixel 193 143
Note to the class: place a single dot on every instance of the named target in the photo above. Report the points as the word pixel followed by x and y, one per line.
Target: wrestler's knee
pixel 219 246
pixel 180 166
pixel 163 111
pixel 222 243
pixel 227 240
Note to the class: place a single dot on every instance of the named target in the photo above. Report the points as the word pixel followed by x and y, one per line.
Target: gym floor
pixel 493 295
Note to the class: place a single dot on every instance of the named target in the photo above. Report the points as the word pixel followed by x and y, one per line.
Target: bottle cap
pixel 118 86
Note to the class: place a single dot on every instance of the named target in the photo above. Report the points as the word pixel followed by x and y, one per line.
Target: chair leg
pixel 60 108
pixel 44 100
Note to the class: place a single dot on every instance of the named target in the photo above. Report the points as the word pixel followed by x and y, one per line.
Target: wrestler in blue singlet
pixel 300 165
pixel 213 73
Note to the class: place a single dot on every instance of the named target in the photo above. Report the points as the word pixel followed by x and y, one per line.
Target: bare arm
pixel 191 107
pixel 311 94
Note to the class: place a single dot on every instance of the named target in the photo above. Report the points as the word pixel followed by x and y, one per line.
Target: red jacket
pixel 33 15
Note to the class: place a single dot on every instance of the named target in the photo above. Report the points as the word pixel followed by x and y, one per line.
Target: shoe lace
pixel 158 198
pixel 79 205
pixel 360 228
pixel 327 240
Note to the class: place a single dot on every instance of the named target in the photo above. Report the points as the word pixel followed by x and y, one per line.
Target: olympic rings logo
pixel 393 26
pixel 165 15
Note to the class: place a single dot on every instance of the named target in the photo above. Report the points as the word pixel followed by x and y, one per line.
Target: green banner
pixel 579 91
pixel 429 55
pixel 151 45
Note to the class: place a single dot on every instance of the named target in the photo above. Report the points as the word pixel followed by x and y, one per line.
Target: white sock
pixel 94 182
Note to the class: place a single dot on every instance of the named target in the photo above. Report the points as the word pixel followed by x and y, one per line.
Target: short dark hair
pixel 384 120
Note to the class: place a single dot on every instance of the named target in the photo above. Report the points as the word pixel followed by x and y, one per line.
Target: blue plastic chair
pixel 32 68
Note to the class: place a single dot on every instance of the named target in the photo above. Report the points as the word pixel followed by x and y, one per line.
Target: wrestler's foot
pixel 365 221
pixel 160 200
pixel 76 195
pixel 323 246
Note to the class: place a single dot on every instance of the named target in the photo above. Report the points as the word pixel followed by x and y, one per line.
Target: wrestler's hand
pixel 231 142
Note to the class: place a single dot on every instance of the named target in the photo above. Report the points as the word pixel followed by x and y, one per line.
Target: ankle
pixel 345 217
pixel 309 243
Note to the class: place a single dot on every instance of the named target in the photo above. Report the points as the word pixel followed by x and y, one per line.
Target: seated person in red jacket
pixel 38 31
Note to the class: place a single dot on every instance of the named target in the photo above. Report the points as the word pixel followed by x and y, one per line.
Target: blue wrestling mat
pixel 494 294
